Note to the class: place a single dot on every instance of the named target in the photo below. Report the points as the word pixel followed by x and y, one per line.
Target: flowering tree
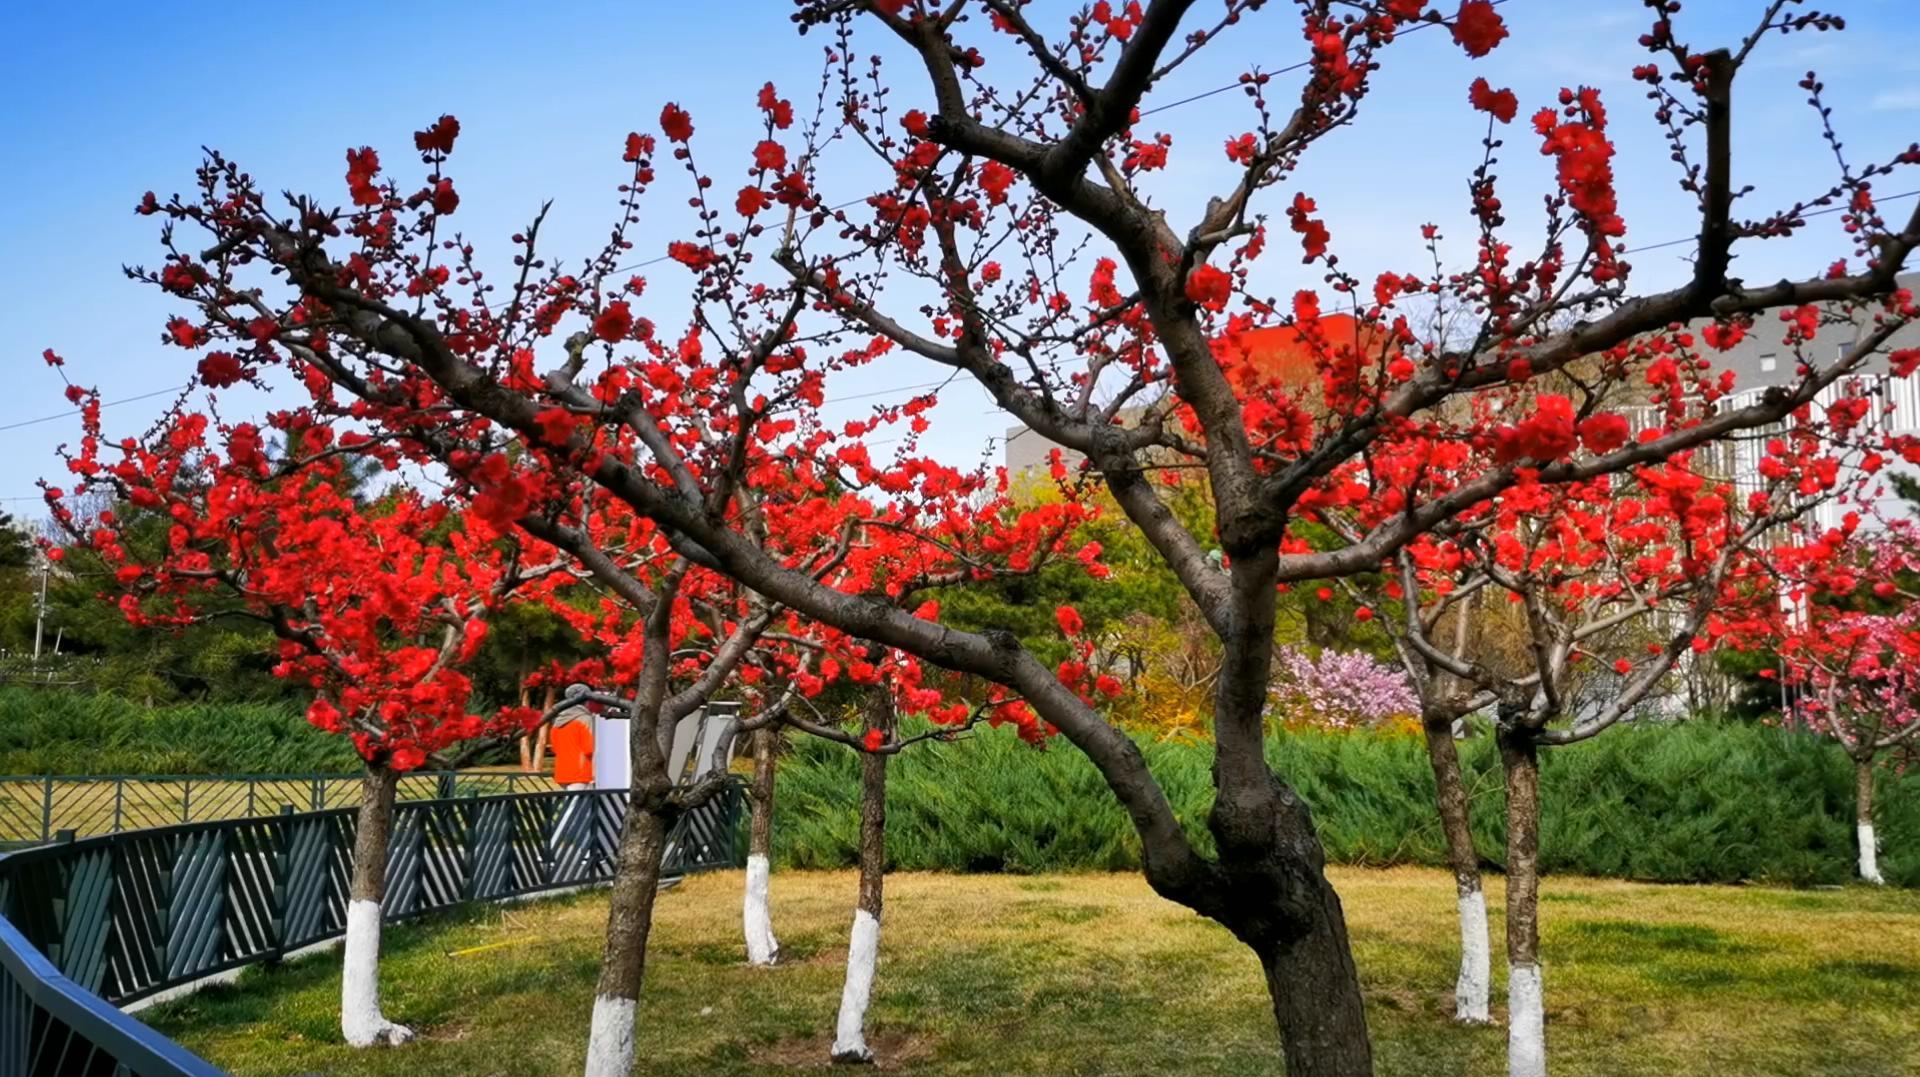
pixel 376 606
pixel 1630 574
pixel 1854 663
pixel 991 193
pixel 1440 613
pixel 1340 689
pixel 995 542
pixel 878 677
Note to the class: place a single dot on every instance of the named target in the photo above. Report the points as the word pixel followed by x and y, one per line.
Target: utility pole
pixel 40 614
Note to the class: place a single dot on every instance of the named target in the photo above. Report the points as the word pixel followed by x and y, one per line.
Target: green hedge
pixel 44 731
pixel 1698 802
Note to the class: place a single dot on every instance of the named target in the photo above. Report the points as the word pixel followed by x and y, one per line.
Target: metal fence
pixel 129 914
pixel 50 1027
pixel 126 915
pixel 35 809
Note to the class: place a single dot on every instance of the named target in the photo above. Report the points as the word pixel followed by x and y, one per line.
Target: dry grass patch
pixel 1094 974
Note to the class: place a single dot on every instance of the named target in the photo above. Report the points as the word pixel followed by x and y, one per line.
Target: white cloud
pixel 1902 100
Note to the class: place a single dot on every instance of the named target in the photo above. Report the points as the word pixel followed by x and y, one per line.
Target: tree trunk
pixel 1863 822
pixel 526 739
pixel 1274 896
pixel 1526 1003
pixel 1450 795
pixel 1271 888
pixel 361 1022
pixel 863 946
pixel 762 947
pixel 636 877
pixel 1314 988
pixel 623 964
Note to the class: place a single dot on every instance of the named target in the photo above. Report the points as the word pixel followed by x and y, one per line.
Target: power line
pixel 76 411
pixel 1203 95
pixel 1809 213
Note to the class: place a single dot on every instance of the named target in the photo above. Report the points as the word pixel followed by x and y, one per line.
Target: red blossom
pixel 1604 432
pixel 445 199
pixel 1477 27
pixel 1547 435
pixel 751 200
pixel 692 255
pixel 1069 620
pixel 1313 232
pixel 362 165
pixel 1501 104
pixel 675 123
pixel 1209 287
pixel 614 323
pixel 1722 336
pixel 438 138
pixel 220 369
pixel 779 110
pixel 995 179
pixel 556 425
pixel 770 156
pixel 185 333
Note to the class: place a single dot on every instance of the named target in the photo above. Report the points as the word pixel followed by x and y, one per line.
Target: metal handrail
pixel 124 916
pixel 51 1025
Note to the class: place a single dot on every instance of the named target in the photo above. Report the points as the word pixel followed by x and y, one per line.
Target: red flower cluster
pixel 1477 27
pixel 1501 104
pixel 438 138
pixel 362 165
pixel 614 323
pixel 1208 287
pixel 1313 232
pixel 675 123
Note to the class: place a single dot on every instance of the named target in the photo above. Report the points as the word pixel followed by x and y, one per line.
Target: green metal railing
pixel 126 915
pixel 51 1027
pixel 35 808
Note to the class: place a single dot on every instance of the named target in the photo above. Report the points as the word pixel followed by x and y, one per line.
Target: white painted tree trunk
pixel 1526 1023
pixel 1863 822
pixel 1471 991
pixel 629 921
pixel 756 918
pixel 1526 1006
pixel 1869 855
pixel 610 1040
pixel 863 947
pixel 361 1022
pixel 863 954
pixel 762 947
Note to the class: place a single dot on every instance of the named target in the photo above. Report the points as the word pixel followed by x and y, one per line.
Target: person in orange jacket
pixel 573 743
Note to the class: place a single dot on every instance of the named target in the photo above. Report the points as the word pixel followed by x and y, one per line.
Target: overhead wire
pixel 1192 99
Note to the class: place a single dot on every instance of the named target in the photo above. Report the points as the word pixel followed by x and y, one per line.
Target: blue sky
pixel 103 102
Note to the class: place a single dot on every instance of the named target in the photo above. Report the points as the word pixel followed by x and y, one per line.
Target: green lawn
pixel 1093 974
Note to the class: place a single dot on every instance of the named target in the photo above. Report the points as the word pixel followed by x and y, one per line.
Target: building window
pixel 1767 363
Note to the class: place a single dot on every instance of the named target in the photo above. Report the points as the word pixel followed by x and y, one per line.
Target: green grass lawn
pixel 1093 974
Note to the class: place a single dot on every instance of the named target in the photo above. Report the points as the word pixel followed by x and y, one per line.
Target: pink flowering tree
pixel 1340 690
pixel 1852 651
